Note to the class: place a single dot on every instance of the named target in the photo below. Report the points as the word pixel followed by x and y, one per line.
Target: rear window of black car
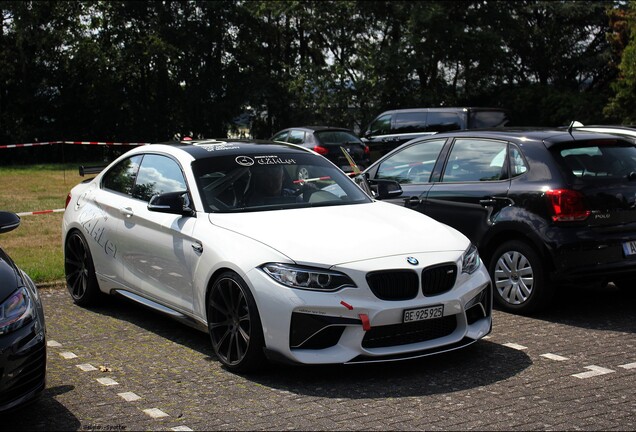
pixel 598 160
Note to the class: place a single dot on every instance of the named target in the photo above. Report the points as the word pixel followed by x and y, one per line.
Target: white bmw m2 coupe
pixel 276 253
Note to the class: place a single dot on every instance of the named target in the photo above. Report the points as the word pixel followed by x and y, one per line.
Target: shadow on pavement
pixel 23 419
pixel 593 307
pixel 479 365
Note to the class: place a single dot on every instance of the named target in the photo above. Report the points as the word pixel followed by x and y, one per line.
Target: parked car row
pixel 250 241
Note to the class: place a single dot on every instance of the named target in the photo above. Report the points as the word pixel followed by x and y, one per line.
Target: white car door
pixel 156 248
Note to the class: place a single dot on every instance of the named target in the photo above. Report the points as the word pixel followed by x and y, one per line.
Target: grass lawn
pixel 36 245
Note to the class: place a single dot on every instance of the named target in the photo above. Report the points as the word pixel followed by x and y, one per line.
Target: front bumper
pixel 22 365
pixel 354 325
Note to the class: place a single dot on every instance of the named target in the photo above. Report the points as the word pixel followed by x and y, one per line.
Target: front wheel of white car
pixel 234 324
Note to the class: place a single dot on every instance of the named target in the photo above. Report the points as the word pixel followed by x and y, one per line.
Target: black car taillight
pixel 68 200
pixel 567 205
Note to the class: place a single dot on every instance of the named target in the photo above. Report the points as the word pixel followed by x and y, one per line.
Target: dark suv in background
pixel 393 128
pixel 544 207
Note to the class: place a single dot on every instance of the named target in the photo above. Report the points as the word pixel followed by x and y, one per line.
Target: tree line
pixel 141 71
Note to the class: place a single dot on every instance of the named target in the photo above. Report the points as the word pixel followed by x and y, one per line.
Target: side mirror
pixel 172 203
pixel 385 189
pixel 8 221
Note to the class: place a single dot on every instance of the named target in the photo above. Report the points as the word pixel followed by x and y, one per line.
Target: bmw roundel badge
pixel 412 260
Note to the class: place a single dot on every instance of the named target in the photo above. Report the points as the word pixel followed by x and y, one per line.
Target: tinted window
pixel 487 119
pixel 121 177
pixel 414 164
pixel 336 137
pixel 158 174
pixel 410 122
pixel 272 182
pixel 443 121
pixel 280 137
pixel 599 161
pixel 296 137
pixel 475 160
pixel 517 162
pixel 381 125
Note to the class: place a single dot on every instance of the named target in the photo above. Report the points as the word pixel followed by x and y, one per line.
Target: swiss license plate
pixel 629 248
pixel 425 313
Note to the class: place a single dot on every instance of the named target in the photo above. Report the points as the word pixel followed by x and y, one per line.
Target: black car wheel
pixel 518 274
pixel 80 270
pixel 234 324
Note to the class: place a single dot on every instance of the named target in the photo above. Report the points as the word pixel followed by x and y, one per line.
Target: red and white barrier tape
pixel 29 144
pixel 40 212
pixel 106 143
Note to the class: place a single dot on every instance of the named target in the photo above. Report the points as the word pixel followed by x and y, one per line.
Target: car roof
pixel 206 148
pixel 316 129
pixel 546 136
pixel 443 109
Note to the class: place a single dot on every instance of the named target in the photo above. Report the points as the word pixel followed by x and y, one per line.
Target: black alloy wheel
pixel 234 324
pixel 80 270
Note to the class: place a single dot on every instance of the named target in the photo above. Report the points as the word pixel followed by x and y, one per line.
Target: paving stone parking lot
pixel 121 367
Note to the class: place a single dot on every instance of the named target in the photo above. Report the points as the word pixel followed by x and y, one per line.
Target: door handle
pixel 488 202
pixel 127 211
pixel 197 246
pixel 412 201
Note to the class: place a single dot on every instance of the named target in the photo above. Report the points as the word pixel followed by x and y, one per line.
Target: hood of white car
pixel 345 233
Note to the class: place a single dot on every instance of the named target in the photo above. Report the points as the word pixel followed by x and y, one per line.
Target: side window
pixel 158 174
pixel 414 164
pixel 518 164
pixel 280 137
pixel 121 177
pixel 296 137
pixel 381 125
pixel 408 122
pixel 443 121
pixel 474 160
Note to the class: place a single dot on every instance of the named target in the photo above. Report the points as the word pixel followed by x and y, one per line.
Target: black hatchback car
pixel 22 331
pixel 544 207
pixel 330 143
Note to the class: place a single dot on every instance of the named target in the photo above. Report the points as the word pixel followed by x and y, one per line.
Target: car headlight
pixel 16 311
pixel 470 260
pixel 307 278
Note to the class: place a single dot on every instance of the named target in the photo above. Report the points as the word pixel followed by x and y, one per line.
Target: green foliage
pixel 142 71
pixel 622 105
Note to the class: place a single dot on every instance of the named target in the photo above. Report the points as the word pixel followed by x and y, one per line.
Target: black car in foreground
pixel 22 331
pixel 545 207
pixel 329 142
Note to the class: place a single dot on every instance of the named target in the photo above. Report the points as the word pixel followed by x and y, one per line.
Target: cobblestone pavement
pixel 121 367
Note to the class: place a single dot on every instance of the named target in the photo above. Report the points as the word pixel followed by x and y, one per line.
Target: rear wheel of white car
pixel 518 274
pixel 80 271
pixel 234 324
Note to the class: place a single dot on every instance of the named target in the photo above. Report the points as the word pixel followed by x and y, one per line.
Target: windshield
pixel 230 184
